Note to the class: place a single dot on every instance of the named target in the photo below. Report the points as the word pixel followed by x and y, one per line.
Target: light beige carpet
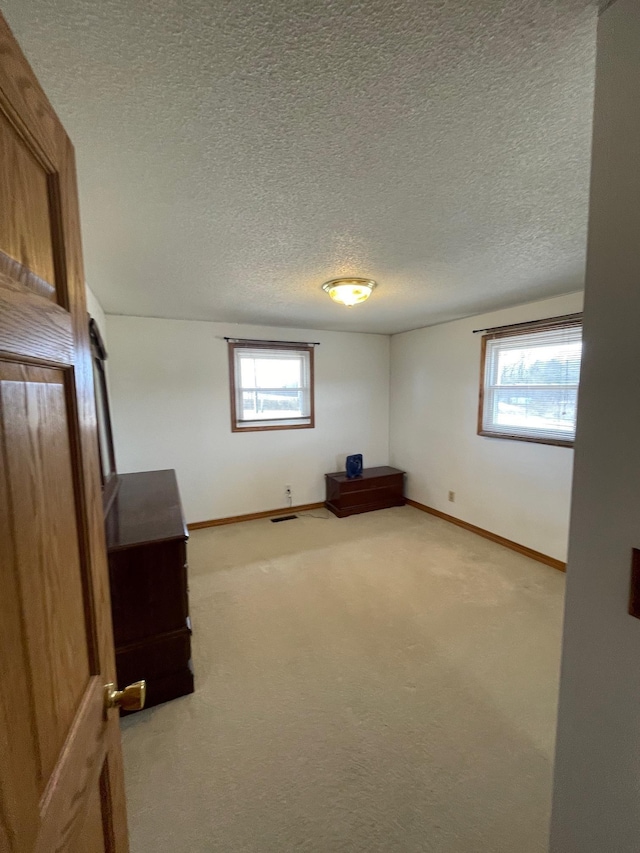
pixel 380 683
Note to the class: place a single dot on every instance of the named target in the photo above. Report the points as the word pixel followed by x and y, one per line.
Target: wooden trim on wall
pixel 253 516
pixel 493 537
pixel 232 346
pixel 511 331
pixel 483 361
pixel 555 442
pixel 479 531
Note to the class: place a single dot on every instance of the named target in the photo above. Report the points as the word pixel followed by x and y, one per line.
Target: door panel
pixel 20 771
pixel 31 323
pixel 25 223
pixel 34 431
pixel 91 835
pixel 61 775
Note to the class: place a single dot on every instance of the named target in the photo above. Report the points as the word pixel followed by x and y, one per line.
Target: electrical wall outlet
pixel 452 496
pixel 287 491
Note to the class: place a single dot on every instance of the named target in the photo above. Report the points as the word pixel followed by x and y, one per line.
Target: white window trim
pixel 239 425
pixel 512 333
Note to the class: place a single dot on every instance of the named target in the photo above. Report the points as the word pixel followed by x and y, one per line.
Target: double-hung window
pixel 529 381
pixel 271 385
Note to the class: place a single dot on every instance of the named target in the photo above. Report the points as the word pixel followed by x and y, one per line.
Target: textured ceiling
pixel 235 154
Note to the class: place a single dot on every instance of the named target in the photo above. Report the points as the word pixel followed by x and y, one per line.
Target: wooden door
pixel 61 778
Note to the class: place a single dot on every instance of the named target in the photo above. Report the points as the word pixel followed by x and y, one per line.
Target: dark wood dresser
pixel 376 488
pixel 146 542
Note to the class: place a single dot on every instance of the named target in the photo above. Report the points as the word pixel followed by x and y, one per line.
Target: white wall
pixel 169 386
pixel 516 489
pixel 597 777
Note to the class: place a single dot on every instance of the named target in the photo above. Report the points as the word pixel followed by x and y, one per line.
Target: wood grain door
pixel 61 782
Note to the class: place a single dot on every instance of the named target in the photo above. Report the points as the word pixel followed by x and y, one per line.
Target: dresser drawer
pixel 148 590
pixel 362 485
pixel 366 497
pixel 154 657
pixel 163 662
pixel 357 485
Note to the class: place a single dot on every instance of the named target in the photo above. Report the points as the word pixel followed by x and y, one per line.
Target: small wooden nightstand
pixel 377 488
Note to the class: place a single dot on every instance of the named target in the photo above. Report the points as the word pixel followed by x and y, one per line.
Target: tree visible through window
pixel 271 385
pixel 530 382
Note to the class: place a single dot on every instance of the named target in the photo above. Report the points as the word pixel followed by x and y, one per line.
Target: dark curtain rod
pixel 564 320
pixel 260 341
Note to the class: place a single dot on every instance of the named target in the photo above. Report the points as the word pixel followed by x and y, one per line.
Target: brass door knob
pixel 130 699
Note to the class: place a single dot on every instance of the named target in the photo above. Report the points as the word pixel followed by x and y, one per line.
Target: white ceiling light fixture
pixel 349 291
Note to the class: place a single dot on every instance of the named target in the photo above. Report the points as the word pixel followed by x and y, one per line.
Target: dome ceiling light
pixel 349 291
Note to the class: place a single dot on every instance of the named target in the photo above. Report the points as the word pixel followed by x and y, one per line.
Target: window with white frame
pixel 271 385
pixel 529 381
